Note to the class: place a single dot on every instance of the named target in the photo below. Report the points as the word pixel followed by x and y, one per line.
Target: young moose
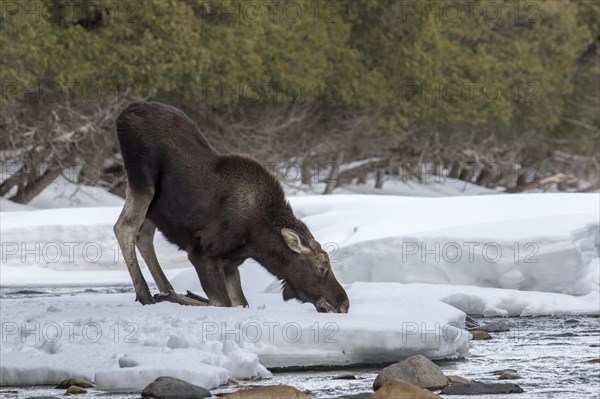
pixel 220 209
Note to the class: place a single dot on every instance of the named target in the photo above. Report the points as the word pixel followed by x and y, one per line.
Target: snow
pixel 121 345
pixel 68 239
pixel 528 242
pixel 405 186
pixel 62 193
pixel 412 267
pixel 9 206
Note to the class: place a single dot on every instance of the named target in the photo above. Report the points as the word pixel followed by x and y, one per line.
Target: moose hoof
pixel 174 297
pixel 145 299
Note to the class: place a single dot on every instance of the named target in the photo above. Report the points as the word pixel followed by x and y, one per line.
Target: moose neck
pixel 272 254
pixel 271 250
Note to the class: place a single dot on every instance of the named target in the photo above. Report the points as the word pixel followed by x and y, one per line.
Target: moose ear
pixel 292 240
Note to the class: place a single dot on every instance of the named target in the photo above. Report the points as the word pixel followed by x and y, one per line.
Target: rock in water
pixel 498 372
pixel 344 376
pixel 397 389
pixel 75 390
pixel 174 388
pixel 362 395
pixel 509 375
pixel 481 389
pixel 455 379
pixel 268 392
pixel 416 370
pixel 480 335
pixel 495 327
pixel 470 322
pixel 66 384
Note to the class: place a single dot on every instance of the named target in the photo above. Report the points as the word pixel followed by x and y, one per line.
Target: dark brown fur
pixel 220 209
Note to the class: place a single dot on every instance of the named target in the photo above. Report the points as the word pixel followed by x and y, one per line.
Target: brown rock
pixel 75 390
pixel 398 389
pixel 480 335
pixel 64 384
pixel 268 392
pixel 416 370
pixel 594 361
pixel 455 379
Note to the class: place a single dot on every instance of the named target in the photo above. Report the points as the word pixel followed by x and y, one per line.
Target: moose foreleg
pixel 233 285
pixel 212 279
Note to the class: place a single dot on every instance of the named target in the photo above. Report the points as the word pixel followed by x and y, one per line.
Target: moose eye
pixel 322 270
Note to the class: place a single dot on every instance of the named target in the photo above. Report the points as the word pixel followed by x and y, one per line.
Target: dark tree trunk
pixel 307 171
pixel 34 186
pixel 379 178
pixel 332 179
pixel 10 182
pixel 454 170
pixel 362 178
pixel 466 174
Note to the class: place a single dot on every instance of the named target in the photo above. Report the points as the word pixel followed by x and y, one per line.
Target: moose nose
pixel 343 308
pixel 324 307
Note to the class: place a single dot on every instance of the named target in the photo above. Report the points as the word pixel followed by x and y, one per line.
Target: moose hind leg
pixel 126 230
pixel 233 285
pixel 145 244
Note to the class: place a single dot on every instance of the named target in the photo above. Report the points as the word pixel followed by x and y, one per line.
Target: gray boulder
pixel 174 388
pixel 416 370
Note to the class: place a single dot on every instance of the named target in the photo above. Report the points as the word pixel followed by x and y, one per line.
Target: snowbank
pixel 69 239
pixel 528 242
pixel 410 265
pixel 400 186
pixel 122 345
pixel 61 193
pixel 484 301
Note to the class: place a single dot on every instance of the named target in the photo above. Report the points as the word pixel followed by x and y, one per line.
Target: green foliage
pixel 425 65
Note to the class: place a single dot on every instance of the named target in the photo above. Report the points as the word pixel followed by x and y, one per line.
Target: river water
pixel 551 355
